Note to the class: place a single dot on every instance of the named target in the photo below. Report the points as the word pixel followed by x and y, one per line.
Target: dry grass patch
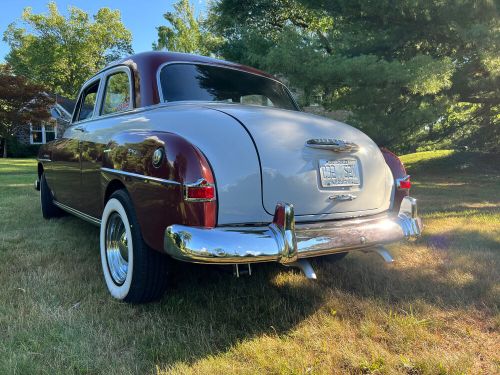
pixel 434 311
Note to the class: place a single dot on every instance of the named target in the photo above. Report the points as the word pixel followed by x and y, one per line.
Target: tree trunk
pixel 3 142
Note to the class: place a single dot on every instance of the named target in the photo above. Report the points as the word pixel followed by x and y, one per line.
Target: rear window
pixel 196 82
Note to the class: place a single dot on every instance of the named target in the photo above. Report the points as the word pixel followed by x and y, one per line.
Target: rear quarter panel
pixel 128 141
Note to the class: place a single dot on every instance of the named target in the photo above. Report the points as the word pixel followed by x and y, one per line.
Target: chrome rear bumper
pixel 285 242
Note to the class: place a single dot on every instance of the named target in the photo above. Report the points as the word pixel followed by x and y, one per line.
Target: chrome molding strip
pixel 79 214
pixel 43 159
pixel 141 177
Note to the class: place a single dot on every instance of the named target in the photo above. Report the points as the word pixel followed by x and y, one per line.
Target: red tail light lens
pixel 200 191
pixel 403 183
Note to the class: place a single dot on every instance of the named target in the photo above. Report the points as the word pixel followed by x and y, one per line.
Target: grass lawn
pixel 434 311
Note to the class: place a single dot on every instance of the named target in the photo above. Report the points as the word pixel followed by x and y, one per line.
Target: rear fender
pixel 398 171
pixel 157 191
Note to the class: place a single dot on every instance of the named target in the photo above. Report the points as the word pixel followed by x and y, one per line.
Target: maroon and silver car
pixel 207 161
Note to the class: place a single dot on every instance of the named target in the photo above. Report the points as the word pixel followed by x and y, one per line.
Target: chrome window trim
pixel 76 111
pixel 106 75
pixel 141 176
pixel 160 90
pixel 81 215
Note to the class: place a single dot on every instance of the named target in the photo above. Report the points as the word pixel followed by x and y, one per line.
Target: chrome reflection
pixel 117 248
pixel 285 242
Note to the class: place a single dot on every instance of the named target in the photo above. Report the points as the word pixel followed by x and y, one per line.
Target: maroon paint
pixel 145 67
pixel 158 206
pixel 398 171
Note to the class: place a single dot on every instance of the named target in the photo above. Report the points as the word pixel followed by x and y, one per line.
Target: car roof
pixel 145 66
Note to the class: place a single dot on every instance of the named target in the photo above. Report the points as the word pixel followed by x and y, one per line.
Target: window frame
pixel 43 132
pixel 165 64
pixel 79 103
pixel 102 77
pixel 106 75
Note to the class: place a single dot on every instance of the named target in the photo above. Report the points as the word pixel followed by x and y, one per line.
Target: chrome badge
pixel 337 145
pixel 157 157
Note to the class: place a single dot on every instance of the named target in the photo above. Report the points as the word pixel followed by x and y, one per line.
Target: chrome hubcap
pixel 117 248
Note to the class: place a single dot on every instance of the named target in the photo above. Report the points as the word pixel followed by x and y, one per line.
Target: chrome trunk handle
pixel 336 145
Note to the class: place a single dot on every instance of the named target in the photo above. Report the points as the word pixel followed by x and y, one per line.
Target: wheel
pixel 133 272
pixel 49 209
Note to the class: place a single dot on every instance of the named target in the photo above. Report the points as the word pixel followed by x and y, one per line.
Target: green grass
pixel 434 311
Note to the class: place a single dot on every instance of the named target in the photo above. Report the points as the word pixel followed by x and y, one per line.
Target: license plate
pixel 343 172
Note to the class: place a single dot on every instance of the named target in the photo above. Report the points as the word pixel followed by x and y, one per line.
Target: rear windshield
pixel 210 83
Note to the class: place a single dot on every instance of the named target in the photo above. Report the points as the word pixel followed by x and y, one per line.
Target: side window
pixel 88 101
pixel 117 94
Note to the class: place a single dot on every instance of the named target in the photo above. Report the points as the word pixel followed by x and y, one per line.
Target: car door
pixel 66 152
pixel 115 99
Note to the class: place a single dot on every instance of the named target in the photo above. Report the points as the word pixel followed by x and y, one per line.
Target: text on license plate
pixel 342 172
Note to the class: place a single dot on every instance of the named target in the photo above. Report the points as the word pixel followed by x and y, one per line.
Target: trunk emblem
pixel 337 145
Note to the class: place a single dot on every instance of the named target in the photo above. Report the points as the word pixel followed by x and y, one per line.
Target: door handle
pixel 80 129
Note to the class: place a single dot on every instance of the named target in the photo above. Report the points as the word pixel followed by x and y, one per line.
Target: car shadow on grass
pixel 212 310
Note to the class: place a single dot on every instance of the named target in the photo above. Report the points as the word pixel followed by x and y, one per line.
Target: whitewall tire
pixel 132 271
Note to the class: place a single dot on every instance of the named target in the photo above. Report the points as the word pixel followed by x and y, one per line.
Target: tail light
pixel 201 196
pixel 403 183
pixel 401 179
pixel 200 191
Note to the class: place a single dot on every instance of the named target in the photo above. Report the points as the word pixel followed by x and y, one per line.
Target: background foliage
pixel 409 72
pixel 63 52
pixel 21 103
pixel 413 75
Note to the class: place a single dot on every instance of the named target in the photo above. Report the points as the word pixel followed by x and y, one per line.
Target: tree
pixel 185 32
pixel 407 71
pixel 62 52
pixel 21 102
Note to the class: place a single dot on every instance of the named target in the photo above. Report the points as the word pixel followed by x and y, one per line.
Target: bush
pixel 16 149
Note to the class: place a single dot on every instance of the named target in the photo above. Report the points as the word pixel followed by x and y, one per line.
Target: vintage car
pixel 207 161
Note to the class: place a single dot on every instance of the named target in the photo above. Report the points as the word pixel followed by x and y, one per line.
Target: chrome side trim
pixel 284 242
pixel 79 214
pixel 43 159
pixel 140 176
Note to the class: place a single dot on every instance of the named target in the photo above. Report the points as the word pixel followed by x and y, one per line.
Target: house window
pixel 40 134
pixel 36 134
pixel 50 133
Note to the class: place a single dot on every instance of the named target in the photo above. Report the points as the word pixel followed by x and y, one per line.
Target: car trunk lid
pixel 319 165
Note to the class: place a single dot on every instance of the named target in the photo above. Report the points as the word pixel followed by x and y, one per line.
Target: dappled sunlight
pixel 435 309
pixel 18 185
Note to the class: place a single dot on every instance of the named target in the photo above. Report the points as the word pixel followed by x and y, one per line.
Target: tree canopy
pixel 62 52
pixel 21 104
pixel 185 32
pixel 409 72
